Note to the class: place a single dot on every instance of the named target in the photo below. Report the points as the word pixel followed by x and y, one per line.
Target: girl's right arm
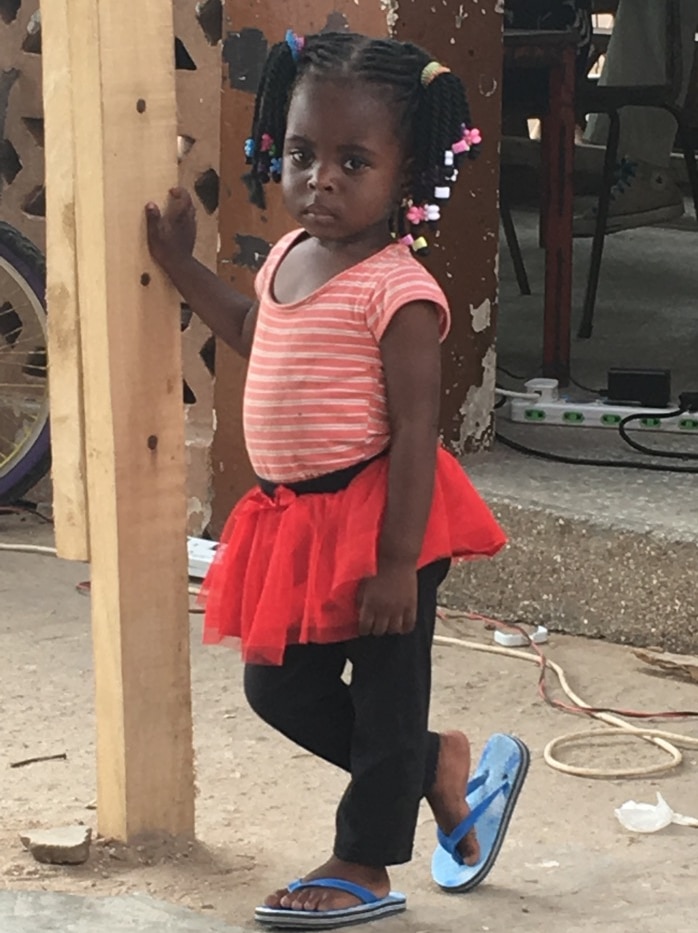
pixel 171 236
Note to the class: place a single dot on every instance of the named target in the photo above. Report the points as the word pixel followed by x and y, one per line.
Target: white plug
pixel 519 640
pixel 547 389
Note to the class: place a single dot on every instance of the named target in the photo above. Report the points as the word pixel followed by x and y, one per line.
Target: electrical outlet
pixel 567 413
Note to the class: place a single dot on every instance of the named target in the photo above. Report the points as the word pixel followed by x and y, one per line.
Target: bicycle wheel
pixel 25 453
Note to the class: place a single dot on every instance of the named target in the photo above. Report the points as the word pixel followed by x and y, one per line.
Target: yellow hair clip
pixel 431 71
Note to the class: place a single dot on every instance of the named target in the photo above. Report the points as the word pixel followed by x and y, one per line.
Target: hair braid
pixel 434 119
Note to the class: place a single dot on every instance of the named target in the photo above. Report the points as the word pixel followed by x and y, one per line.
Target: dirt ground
pixel 265 810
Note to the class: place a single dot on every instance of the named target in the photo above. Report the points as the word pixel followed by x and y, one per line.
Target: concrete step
pixel 607 553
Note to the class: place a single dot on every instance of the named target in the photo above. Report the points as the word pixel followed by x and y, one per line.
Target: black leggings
pixel 375 728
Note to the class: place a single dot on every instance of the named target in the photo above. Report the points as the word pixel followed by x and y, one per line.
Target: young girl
pixel 336 556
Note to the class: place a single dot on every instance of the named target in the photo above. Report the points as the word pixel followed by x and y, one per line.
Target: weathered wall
pixel 22 201
pixel 466 35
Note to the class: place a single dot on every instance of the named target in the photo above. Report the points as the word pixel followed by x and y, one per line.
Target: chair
pixel 610 100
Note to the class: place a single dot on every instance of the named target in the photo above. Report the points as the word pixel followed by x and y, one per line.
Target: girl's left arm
pixel 411 356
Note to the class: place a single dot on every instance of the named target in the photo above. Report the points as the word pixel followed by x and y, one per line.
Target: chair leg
pixel 513 245
pixel 689 154
pixel 587 325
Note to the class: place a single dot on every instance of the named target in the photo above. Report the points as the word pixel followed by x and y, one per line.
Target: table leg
pixel 559 137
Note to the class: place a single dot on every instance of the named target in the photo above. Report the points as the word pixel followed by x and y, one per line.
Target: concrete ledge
pixel 582 577
pixel 608 553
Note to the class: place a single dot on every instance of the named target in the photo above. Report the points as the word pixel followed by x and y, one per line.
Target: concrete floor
pixel 593 550
pixel 49 912
pixel 646 313
pixel 646 316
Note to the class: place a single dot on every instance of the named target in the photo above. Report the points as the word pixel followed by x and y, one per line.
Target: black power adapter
pixel 643 388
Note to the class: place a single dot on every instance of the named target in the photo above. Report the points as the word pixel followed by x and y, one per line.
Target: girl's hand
pixel 172 232
pixel 388 601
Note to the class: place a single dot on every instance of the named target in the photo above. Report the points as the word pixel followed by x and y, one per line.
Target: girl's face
pixel 343 163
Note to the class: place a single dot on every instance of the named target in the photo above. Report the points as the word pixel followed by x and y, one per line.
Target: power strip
pixel 201 554
pixel 544 406
pixel 597 415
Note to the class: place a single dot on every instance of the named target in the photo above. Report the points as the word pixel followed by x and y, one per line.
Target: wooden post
pixel 65 373
pixel 124 117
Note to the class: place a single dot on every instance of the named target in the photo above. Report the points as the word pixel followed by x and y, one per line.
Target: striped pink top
pixel 315 398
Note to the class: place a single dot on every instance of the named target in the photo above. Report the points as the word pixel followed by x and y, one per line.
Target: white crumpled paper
pixel 648 818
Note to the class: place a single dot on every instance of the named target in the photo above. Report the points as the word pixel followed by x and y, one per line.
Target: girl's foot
pixel 314 899
pixel 447 797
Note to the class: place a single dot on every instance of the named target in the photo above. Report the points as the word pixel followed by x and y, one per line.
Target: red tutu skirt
pixel 288 568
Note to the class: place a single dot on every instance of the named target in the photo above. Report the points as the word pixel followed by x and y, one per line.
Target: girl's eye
pixel 354 164
pixel 299 157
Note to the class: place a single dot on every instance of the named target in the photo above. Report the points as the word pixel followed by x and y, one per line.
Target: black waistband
pixel 328 483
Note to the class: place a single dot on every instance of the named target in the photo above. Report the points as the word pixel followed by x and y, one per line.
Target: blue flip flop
pixel 370 908
pixel 492 795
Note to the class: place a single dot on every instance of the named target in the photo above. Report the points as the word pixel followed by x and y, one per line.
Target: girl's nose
pixel 321 178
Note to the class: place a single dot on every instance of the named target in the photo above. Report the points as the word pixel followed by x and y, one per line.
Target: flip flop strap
pixel 477 781
pixel 451 841
pixel 337 884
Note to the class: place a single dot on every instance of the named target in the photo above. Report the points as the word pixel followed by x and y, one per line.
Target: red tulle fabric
pixel 288 569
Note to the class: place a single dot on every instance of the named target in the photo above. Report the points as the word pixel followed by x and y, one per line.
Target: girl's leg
pixel 393 757
pixel 306 700
pixel 377 729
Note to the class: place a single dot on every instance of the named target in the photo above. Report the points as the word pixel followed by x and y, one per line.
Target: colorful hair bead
pixel 449 158
pixel 416 215
pixel 473 137
pixel 249 149
pixel 421 246
pixel 266 142
pixel 460 147
pixel 433 212
pixel 407 240
pixel 275 169
pixel 295 43
pixel 442 193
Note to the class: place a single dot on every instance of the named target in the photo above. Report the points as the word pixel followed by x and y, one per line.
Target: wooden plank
pixel 125 130
pixel 65 363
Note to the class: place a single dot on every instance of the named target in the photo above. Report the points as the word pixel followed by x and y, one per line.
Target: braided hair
pixel 431 110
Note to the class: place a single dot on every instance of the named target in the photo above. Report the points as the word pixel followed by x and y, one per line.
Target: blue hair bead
pixel 295 43
pixel 249 148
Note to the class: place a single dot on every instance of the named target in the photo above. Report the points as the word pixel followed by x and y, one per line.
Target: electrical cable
pixel 651 451
pixel 590 461
pixel 668 742
pixel 19 509
pixel 28 549
pixel 509 393
pixel 584 388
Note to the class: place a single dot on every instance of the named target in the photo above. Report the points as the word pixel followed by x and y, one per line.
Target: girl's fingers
pixel 409 621
pixel 365 619
pixel 380 627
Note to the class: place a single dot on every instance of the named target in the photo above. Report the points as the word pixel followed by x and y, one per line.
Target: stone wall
pixel 23 203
